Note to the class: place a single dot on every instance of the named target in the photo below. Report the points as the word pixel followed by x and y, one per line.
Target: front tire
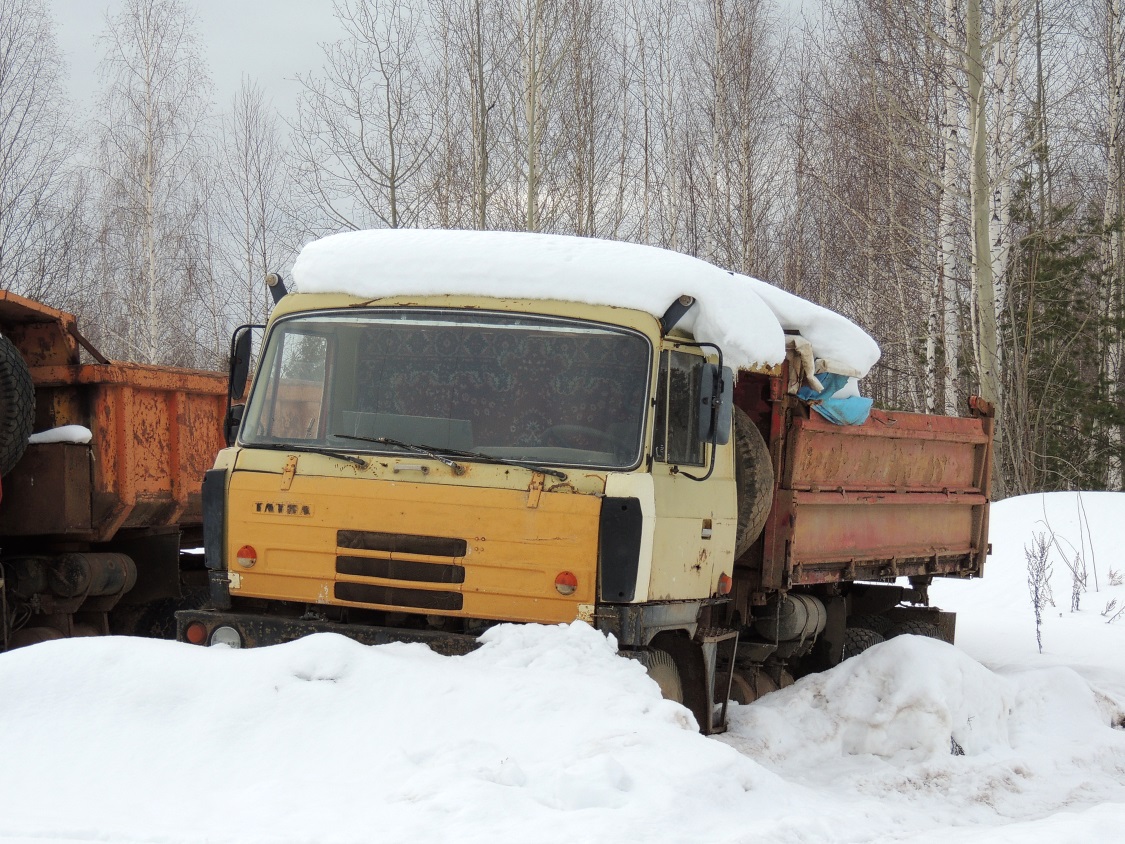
pixel 662 668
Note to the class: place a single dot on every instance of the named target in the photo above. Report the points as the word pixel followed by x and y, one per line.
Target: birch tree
pixel 38 190
pixel 540 40
pixel 668 134
pixel 255 237
pixel 470 162
pixel 363 133
pixel 151 134
pixel 737 61
pixel 950 216
pixel 481 102
pixel 447 175
pixel 590 118
pixel 1109 30
pixel 876 172
pixel 984 291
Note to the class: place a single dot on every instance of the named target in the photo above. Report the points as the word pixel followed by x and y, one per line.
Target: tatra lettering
pixel 283 508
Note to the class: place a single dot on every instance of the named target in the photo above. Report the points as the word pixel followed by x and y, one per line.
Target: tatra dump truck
pixel 93 524
pixel 448 430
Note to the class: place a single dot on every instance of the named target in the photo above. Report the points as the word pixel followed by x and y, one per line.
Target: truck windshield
pixel 538 389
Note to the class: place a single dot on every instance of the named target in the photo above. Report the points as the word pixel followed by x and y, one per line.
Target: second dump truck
pixel 101 504
pixel 448 430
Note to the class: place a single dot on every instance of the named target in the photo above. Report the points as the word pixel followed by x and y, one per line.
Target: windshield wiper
pixel 436 454
pixel 429 451
pixel 313 449
pixel 506 461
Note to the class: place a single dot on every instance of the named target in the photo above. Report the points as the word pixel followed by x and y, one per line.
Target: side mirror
pixel 233 422
pixel 716 400
pixel 240 351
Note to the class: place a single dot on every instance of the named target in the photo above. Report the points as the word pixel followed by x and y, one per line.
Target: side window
pixel 677 410
pixel 299 397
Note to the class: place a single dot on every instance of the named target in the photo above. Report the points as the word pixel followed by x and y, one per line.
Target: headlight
pixel 226 636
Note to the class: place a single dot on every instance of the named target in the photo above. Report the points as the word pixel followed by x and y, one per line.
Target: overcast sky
pixel 269 40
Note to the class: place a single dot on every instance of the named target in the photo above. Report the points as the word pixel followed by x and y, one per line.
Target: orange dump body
pixel 155 431
pixel 904 494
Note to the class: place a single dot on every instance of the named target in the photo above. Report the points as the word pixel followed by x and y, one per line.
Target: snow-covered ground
pixel 544 735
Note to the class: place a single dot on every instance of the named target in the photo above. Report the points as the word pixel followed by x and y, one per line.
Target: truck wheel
pixel 17 405
pixel 662 669
pixel 859 639
pixel 753 475
pixel 748 685
pixel 916 628
pixel 879 623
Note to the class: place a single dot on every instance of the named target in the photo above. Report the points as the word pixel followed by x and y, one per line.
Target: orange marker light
pixel 566 583
pixel 196 633
pixel 725 584
pixel 247 556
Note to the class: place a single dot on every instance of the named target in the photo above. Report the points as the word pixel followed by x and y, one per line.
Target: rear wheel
pixel 753 475
pixel 17 405
pixel 915 628
pixel 879 623
pixel 748 686
pixel 859 639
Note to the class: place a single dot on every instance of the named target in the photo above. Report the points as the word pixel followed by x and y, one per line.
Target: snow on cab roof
pixel 743 316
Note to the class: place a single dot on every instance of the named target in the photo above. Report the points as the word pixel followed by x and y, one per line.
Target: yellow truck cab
pixel 415 465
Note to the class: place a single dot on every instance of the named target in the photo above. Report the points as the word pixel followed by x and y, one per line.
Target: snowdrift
pixel 546 735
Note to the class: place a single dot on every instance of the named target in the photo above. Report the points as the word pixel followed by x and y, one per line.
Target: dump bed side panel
pixel 156 430
pixel 902 494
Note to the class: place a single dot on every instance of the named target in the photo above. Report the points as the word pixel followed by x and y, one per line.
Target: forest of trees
pixel 948 173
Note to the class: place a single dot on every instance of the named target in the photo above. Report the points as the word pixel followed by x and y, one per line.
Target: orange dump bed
pixel 155 429
pixel 904 494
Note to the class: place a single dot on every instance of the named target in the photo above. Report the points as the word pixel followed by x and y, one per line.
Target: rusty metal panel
pixel 891 451
pixel 43 335
pixel 48 492
pixel 156 430
pixel 872 536
pixel 902 495
pixel 875 526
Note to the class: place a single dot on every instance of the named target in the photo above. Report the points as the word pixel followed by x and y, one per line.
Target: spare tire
pixel 753 474
pixel 17 405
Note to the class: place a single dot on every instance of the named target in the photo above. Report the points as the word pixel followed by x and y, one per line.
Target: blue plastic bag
pixel 853 410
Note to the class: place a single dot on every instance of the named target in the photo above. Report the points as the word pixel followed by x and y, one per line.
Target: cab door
pixel 696 513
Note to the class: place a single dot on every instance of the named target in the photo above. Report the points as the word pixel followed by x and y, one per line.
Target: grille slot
pixel 366 593
pixel 401 543
pixel 400 570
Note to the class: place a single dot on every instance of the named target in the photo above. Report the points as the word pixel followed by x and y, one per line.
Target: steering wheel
pixel 570 436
